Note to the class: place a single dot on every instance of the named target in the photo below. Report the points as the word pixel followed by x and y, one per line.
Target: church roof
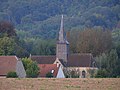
pixel 63 63
pixel 44 59
pixel 7 64
pixel 80 60
pixel 46 68
pixel 74 60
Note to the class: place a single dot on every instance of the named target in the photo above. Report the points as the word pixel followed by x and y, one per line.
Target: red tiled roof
pixel 46 68
pixel 44 59
pixel 7 64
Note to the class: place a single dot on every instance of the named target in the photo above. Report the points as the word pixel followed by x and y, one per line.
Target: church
pixel 77 65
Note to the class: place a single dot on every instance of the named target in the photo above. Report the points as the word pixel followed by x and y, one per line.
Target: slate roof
pixel 63 63
pixel 46 68
pixel 74 60
pixel 44 59
pixel 80 60
pixel 7 64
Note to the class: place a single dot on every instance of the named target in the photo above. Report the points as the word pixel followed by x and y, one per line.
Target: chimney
pixel 52 71
pixel 57 64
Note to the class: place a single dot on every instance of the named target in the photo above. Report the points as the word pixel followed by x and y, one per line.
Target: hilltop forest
pixel 41 18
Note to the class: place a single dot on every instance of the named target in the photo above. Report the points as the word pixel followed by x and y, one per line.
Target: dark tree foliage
pixel 43 47
pixel 41 18
pixel 109 64
pixel 7 29
pixel 9 42
pixel 7 46
pixel 31 68
pixel 101 74
pixel 49 75
pixel 11 75
pixel 95 41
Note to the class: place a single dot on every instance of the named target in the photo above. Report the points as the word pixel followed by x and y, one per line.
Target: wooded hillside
pixel 41 18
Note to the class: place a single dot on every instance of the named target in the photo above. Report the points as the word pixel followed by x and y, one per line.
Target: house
pixel 54 69
pixel 80 63
pixel 11 63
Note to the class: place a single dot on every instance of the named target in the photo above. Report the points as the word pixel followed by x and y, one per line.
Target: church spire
pixel 61 32
pixel 62 48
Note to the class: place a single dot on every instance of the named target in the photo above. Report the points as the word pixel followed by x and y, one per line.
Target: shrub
pixel 101 74
pixel 11 75
pixel 49 75
pixel 74 74
pixel 118 76
pixel 32 70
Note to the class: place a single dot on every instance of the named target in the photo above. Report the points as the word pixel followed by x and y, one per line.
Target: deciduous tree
pixel 31 67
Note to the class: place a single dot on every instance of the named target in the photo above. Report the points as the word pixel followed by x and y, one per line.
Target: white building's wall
pixel 60 73
pixel 20 69
pixel 80 69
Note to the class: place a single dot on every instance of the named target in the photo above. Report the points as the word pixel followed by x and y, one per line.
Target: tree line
pixel 11 44
pixel 95 41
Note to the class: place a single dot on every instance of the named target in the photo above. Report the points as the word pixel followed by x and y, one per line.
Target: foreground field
pixel 60 84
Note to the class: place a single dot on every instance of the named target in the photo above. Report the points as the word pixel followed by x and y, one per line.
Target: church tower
pixel 62 44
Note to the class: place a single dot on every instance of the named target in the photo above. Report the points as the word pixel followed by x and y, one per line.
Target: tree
pixel 102 60
pixel 32 70
pixel 118 49
pixel 109 64
pixel 102 73
pixel 9 42
pixel 21 52
pixel 7 46
pixel 31 67
pixel 7 28
pixel 112 63
pixel 95 41
pixel 26 62
pixel 43 47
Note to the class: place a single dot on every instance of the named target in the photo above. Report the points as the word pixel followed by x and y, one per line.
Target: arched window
pixel 83 74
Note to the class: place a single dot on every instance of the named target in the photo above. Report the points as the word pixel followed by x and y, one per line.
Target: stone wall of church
pixel 79 72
